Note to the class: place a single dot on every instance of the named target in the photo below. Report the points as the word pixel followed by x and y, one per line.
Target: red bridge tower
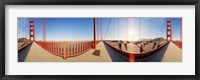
pixel 169 30
pixel 32 31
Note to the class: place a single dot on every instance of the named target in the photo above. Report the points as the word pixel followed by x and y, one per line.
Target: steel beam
pixel 94 42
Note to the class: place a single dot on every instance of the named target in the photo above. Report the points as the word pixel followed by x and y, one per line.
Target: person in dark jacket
pixel 141 49
pixel 125 44
pixel 154 44
pixel 120 45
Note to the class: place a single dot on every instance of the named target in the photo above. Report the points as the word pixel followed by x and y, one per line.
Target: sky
pixel 81 29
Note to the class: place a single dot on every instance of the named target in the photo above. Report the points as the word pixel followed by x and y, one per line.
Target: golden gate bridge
pixel 109 49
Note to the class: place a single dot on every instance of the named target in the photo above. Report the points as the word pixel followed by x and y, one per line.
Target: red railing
pixel 178 43
pixel 133 55
pixel 66 49
pixel 97 42
pixel 22 48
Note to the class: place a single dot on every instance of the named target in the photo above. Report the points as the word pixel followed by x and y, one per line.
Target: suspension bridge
pixel 100 49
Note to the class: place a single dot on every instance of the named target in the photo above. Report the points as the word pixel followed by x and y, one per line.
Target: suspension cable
pixel 127 27
pixel 139 28
pixel 118 28
pixel 150 27
pixel 107 27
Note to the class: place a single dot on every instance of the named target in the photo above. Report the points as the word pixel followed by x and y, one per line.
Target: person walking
pixel 154 44
pixel 120 45
pixel 141 50
pixel 158 43
pixel 125 44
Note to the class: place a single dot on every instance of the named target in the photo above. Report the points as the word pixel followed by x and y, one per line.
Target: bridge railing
pixel 132 55
pixel 178 43
pixel 98 41
pixel 66 49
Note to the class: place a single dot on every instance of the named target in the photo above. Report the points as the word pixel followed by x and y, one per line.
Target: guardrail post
pixel 64 54
pixel 131 58
pixel 72 46
pixel 76 48
pixel 58 47
pixel 53 47
pixel 48 46
pixel 69 49
pixel 81 47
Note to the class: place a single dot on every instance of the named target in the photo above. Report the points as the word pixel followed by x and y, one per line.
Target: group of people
pixel 143 44
pixel 120 44
pixel 156 43
pixel 126 43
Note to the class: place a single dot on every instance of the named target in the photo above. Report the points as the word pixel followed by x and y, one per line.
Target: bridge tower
pixel 32 30
pixel 169 30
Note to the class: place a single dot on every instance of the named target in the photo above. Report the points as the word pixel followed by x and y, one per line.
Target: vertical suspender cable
pixel 150 28
pixel 118 28
pixel 107 28
pixel 101 28
pixel 156 28
pixel 111 31
pixel 139 28
pixel 127 27
pixel 97 28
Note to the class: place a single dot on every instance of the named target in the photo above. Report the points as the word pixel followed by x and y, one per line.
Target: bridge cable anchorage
pixel 107 27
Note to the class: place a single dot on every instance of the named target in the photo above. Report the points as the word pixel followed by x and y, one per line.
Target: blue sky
pixel 81 29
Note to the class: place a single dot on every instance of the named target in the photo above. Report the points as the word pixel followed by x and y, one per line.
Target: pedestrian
pixel 120 45
pixel 141 50
pixel 154 44
pixel 144 43
pixel 125 44
pixel 158 43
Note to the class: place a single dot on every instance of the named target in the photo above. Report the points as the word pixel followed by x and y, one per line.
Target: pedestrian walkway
pixel 169 53
pixel 172 54
pixel 38 54
pixel 35 53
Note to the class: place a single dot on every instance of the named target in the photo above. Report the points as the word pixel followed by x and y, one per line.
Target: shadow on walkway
pixel 156 57
pixel 22 55
pixel 114 55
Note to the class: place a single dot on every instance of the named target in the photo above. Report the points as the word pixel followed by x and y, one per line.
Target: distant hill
pixel 23 40
pixel 159 39
pixel 152 40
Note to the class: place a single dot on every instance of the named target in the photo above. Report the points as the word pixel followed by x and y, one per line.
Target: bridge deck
pixel 172 54
pixel 38 54
pixel 135 48
pixel 169 53
pixel 34 53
